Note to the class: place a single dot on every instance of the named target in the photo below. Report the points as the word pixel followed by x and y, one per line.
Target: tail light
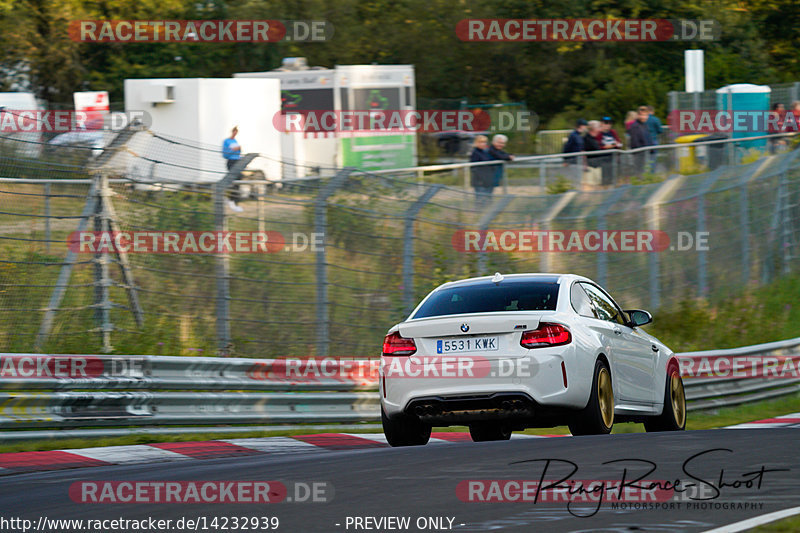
pixel 394 344
pixel 546 335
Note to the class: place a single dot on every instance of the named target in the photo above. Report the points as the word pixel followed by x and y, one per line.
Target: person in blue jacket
pixel 653 126
pixel 232 152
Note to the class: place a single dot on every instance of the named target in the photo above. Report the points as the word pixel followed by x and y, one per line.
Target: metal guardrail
pixel 131 392
pixel 710 393
pixel 70 391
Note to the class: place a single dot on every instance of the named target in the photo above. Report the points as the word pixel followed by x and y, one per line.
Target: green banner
pixel 378 152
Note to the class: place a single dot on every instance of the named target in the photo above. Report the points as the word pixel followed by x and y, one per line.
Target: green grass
pixel 788 525
pixel 697 420
pixel 759 314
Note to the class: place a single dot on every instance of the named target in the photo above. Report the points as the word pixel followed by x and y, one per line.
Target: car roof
pixel 545 277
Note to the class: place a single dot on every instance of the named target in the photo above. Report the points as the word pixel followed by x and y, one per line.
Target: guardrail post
pixel 787 231
pixel 552 213
pixel 744 221
pixel 602 259
pixel 321 227
pixel 702 261
pixel 408 245
pixel 223 268
pixel 102 279
pixel 224 346
pixel 261 191
pixel 615 167
pixel 60 288
pixel 702 258
pixel 542 176
pixel 47 217
pixel 483 225
pixel 673 101
pixel 653 208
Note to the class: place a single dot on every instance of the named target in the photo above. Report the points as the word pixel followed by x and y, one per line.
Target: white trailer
pixel 198 114
pixel 25 144
pixel 344 88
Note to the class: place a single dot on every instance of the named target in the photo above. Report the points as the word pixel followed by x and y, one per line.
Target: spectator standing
pixel 640 137
pixel 590 139
pixel 482 176
pixel 630 118
pixel 575 141
pixel 608 140
pixel 778 115
pixel 653 126
pixel 607 137
pixel 795 111
pixel 497 152
pixel 591 144
pixel 232 152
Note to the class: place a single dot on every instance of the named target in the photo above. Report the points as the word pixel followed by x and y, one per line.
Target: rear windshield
pixel 488 297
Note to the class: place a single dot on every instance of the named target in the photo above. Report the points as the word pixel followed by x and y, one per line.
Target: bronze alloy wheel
pixel 678 398
pixel 605 395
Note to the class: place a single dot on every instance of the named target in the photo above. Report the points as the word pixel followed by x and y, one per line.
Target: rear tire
pixel 489 431
pixel 405 430
pixel 673 416
pixel 597 418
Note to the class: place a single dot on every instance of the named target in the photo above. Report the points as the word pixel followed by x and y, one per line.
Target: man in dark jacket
pixel 640 137
pixel 482 177
pixel 575 140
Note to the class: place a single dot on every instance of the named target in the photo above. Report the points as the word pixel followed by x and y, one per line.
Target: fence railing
pixel 96 391
pixel 781 93
pixel 615 167
pixel 387 239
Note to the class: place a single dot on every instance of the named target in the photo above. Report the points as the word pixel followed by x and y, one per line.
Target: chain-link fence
pixel 357 250
pixel 781 93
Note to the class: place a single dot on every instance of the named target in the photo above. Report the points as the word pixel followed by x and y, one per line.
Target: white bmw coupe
pixel 505 353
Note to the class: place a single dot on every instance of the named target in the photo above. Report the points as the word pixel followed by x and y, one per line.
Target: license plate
pixel 476 344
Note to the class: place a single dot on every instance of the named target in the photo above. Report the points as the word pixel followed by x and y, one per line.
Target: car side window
pixel 606 309
pixel 580 301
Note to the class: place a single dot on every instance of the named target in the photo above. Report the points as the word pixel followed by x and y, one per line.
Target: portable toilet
pixel 746 97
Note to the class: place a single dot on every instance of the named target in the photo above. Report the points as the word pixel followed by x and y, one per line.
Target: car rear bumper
pixel 512 387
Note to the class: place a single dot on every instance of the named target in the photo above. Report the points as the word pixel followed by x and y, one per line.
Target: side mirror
pixel 639 317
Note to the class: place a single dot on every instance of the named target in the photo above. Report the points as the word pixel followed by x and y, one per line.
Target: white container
pixel 198 114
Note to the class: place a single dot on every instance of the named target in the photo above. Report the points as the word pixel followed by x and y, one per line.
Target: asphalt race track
pixel 758 475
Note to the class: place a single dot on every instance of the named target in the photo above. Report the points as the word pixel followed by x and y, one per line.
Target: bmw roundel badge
pixel 464 328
